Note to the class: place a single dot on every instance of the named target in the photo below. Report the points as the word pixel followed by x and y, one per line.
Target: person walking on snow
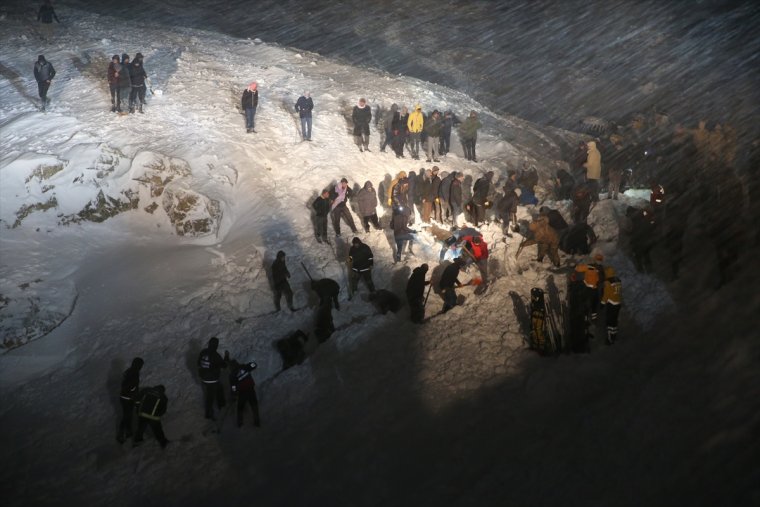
pixel 321 207
pixel 366 200
pixel 137 76
pixel 130 385
pixel 210 365
pixel 243 386
pixel 362 116
pixel 114 82
pixel 44 74
pixel 46 15
pixel 304 107
pixel 280 275
pixel 153 403
pixel 340 198
pixel 360 260
pixel 249 103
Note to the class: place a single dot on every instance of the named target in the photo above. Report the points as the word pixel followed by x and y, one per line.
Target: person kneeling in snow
pixel 448 283
pixel 242 385
pixel 153 403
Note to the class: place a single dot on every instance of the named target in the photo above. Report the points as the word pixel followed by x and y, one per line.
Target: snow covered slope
pixel 452 412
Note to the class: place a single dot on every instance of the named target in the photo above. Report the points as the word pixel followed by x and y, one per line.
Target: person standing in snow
pixel 593 167
pixel 424 189
pixel 362 116
pixel 46 15
pixel 361 260
pixel 449 282
pixel 280 275
pixel 433 130
pixel 444 195
pixel 468 134
pixel 435 201
pixel 153 403
pixel 398 133
pixel 210 365
pixel 125 83
pixel 388 126
pixel 304 105
pixel 114 82
pixel 564 185
pixel 339 207
pixel 249 103
pixel 415 293
pixel 414 125
pixel 321 207
pixel 447 123
pixel 366 200
pixel 44 74
pixel 482 197
pixel 401 233
pixel 137 76
pixel 130 385
pixel 612 299
pixel 243 386
pixel 455 199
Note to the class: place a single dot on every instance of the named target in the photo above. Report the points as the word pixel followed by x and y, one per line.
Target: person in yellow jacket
pixel 400 176
pixel 415 123
pixel 612 299
pixel 593 167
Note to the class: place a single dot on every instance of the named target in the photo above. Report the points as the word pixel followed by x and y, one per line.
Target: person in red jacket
pixel 242 385
pixel 478 250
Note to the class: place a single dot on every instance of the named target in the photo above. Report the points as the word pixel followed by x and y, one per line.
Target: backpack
pixel 150 404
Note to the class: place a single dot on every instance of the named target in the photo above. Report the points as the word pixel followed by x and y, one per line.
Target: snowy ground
pixel 453 412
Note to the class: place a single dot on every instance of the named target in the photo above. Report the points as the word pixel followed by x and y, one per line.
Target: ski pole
pixel 307 271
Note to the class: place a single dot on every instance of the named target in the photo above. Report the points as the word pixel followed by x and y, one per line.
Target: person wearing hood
pixel 414 124
pixel 115 70
pixel 593 167
pixel 210 365
pixel 360 260
pixel 391 115
pixel 366 200
pixel 304 105
pixel 46 15
pixel 433 131
pixel 243 385
pixel 249 103
pixel 153 403
pixel 44 74
pixel 137 76
pixel 130 386
pixel 280 275
pixel 362 116
pixel 468 134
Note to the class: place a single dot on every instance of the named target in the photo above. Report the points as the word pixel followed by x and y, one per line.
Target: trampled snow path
pixel 384 412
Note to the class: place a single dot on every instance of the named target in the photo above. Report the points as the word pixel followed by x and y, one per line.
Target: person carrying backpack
pixel 153 403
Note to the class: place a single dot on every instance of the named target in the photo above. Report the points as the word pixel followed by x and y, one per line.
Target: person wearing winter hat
pixel 249 103
pixel 304 105
pixel 114 86
pixel 210 365
pixel 415 124
pixel 360 260
pixel 362 116
pixel 280 275
pixel 44 74
pixel 137 76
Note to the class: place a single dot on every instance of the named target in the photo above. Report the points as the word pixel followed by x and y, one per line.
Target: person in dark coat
pixel 398 132
pixel 578 322
pixel 433 130
pixel 447 123
pixel 291 349
pixel 304 105
pixel 433 195
pixel 361 261
pixel 423 194
pixel 482 192
pixel 114 83
pixel 46 15
pixel 449 282
pixel 366 200
pixel 581 203
pixel 507 209
pixel 468 134
pixel 327 290
pixel 44 74
pixel 339 207
pixel 578 239
pixel 324 326
pixel 242 385
pixel 130 385
pixel 564 184
pixel 456 198
pixel 210 365
pixel 388 119
pixel 137 76
pixel 401 233
pixel 444 195
pixel 362 116
pixel 556 220
pixel 642 236
pixel 280 275
pixel 321 207
pixel 153 404
pixel 415 293
pixel 125 83
pixel 249 102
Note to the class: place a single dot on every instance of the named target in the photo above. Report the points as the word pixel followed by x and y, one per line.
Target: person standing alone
pixel 362 116
pixel 46 15
pixel 44 74
pixel 250 102
pixel 304 107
